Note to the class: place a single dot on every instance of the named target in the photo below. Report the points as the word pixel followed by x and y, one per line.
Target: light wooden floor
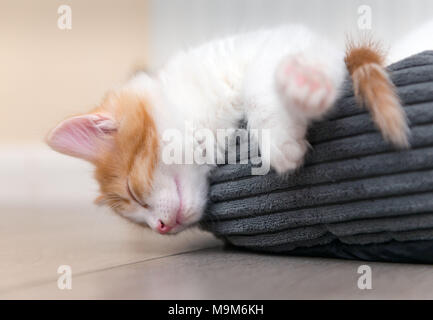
pixel 111 259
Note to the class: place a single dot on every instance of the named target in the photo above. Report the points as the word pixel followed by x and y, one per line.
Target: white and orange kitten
pixel 279 80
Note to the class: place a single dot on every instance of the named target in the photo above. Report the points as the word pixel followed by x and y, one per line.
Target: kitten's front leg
pixel 285 148
pixel 309 82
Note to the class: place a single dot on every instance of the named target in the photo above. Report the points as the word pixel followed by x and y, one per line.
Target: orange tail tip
pixel 374 89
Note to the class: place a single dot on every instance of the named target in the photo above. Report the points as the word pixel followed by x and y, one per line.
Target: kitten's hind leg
pixel 309 82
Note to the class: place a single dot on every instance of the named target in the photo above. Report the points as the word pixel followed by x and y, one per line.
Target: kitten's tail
pixel 373 88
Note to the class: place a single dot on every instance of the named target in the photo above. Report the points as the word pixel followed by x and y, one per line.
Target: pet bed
pixel 356 196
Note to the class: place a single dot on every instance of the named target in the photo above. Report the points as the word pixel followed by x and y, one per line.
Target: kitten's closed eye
pixel 134 197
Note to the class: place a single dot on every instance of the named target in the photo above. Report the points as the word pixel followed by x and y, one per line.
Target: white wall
pixel 180 23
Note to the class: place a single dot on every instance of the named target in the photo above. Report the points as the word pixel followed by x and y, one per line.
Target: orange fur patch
pixel 134 153
pixel 373 88
pixel 359 55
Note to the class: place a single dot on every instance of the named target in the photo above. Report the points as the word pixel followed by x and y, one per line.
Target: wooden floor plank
pixel 219 274
pixel 35 242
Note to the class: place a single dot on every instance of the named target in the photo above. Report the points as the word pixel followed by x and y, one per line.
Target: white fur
pixel 224 81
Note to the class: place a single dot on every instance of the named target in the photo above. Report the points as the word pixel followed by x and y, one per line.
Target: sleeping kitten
pixel 279 80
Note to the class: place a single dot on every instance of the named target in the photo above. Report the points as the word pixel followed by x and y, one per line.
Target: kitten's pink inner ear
pixel 83 136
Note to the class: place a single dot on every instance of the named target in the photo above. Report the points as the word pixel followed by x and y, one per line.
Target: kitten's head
pixel 121 138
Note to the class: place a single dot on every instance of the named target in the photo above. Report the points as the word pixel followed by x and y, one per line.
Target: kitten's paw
pixel 305 85
pixel 287 156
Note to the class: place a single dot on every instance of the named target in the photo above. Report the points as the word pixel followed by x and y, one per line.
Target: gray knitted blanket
pixel 354 187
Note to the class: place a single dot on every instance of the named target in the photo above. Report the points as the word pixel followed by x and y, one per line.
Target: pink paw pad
pixel 306 86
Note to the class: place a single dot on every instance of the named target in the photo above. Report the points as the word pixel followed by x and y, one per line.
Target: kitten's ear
pixel 83 136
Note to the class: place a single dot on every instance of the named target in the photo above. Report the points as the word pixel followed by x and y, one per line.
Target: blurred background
pixel 47 74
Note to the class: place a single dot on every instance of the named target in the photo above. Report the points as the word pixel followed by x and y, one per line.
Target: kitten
pixel 280 80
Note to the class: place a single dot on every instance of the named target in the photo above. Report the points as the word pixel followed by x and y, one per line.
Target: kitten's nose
pixel 163 228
